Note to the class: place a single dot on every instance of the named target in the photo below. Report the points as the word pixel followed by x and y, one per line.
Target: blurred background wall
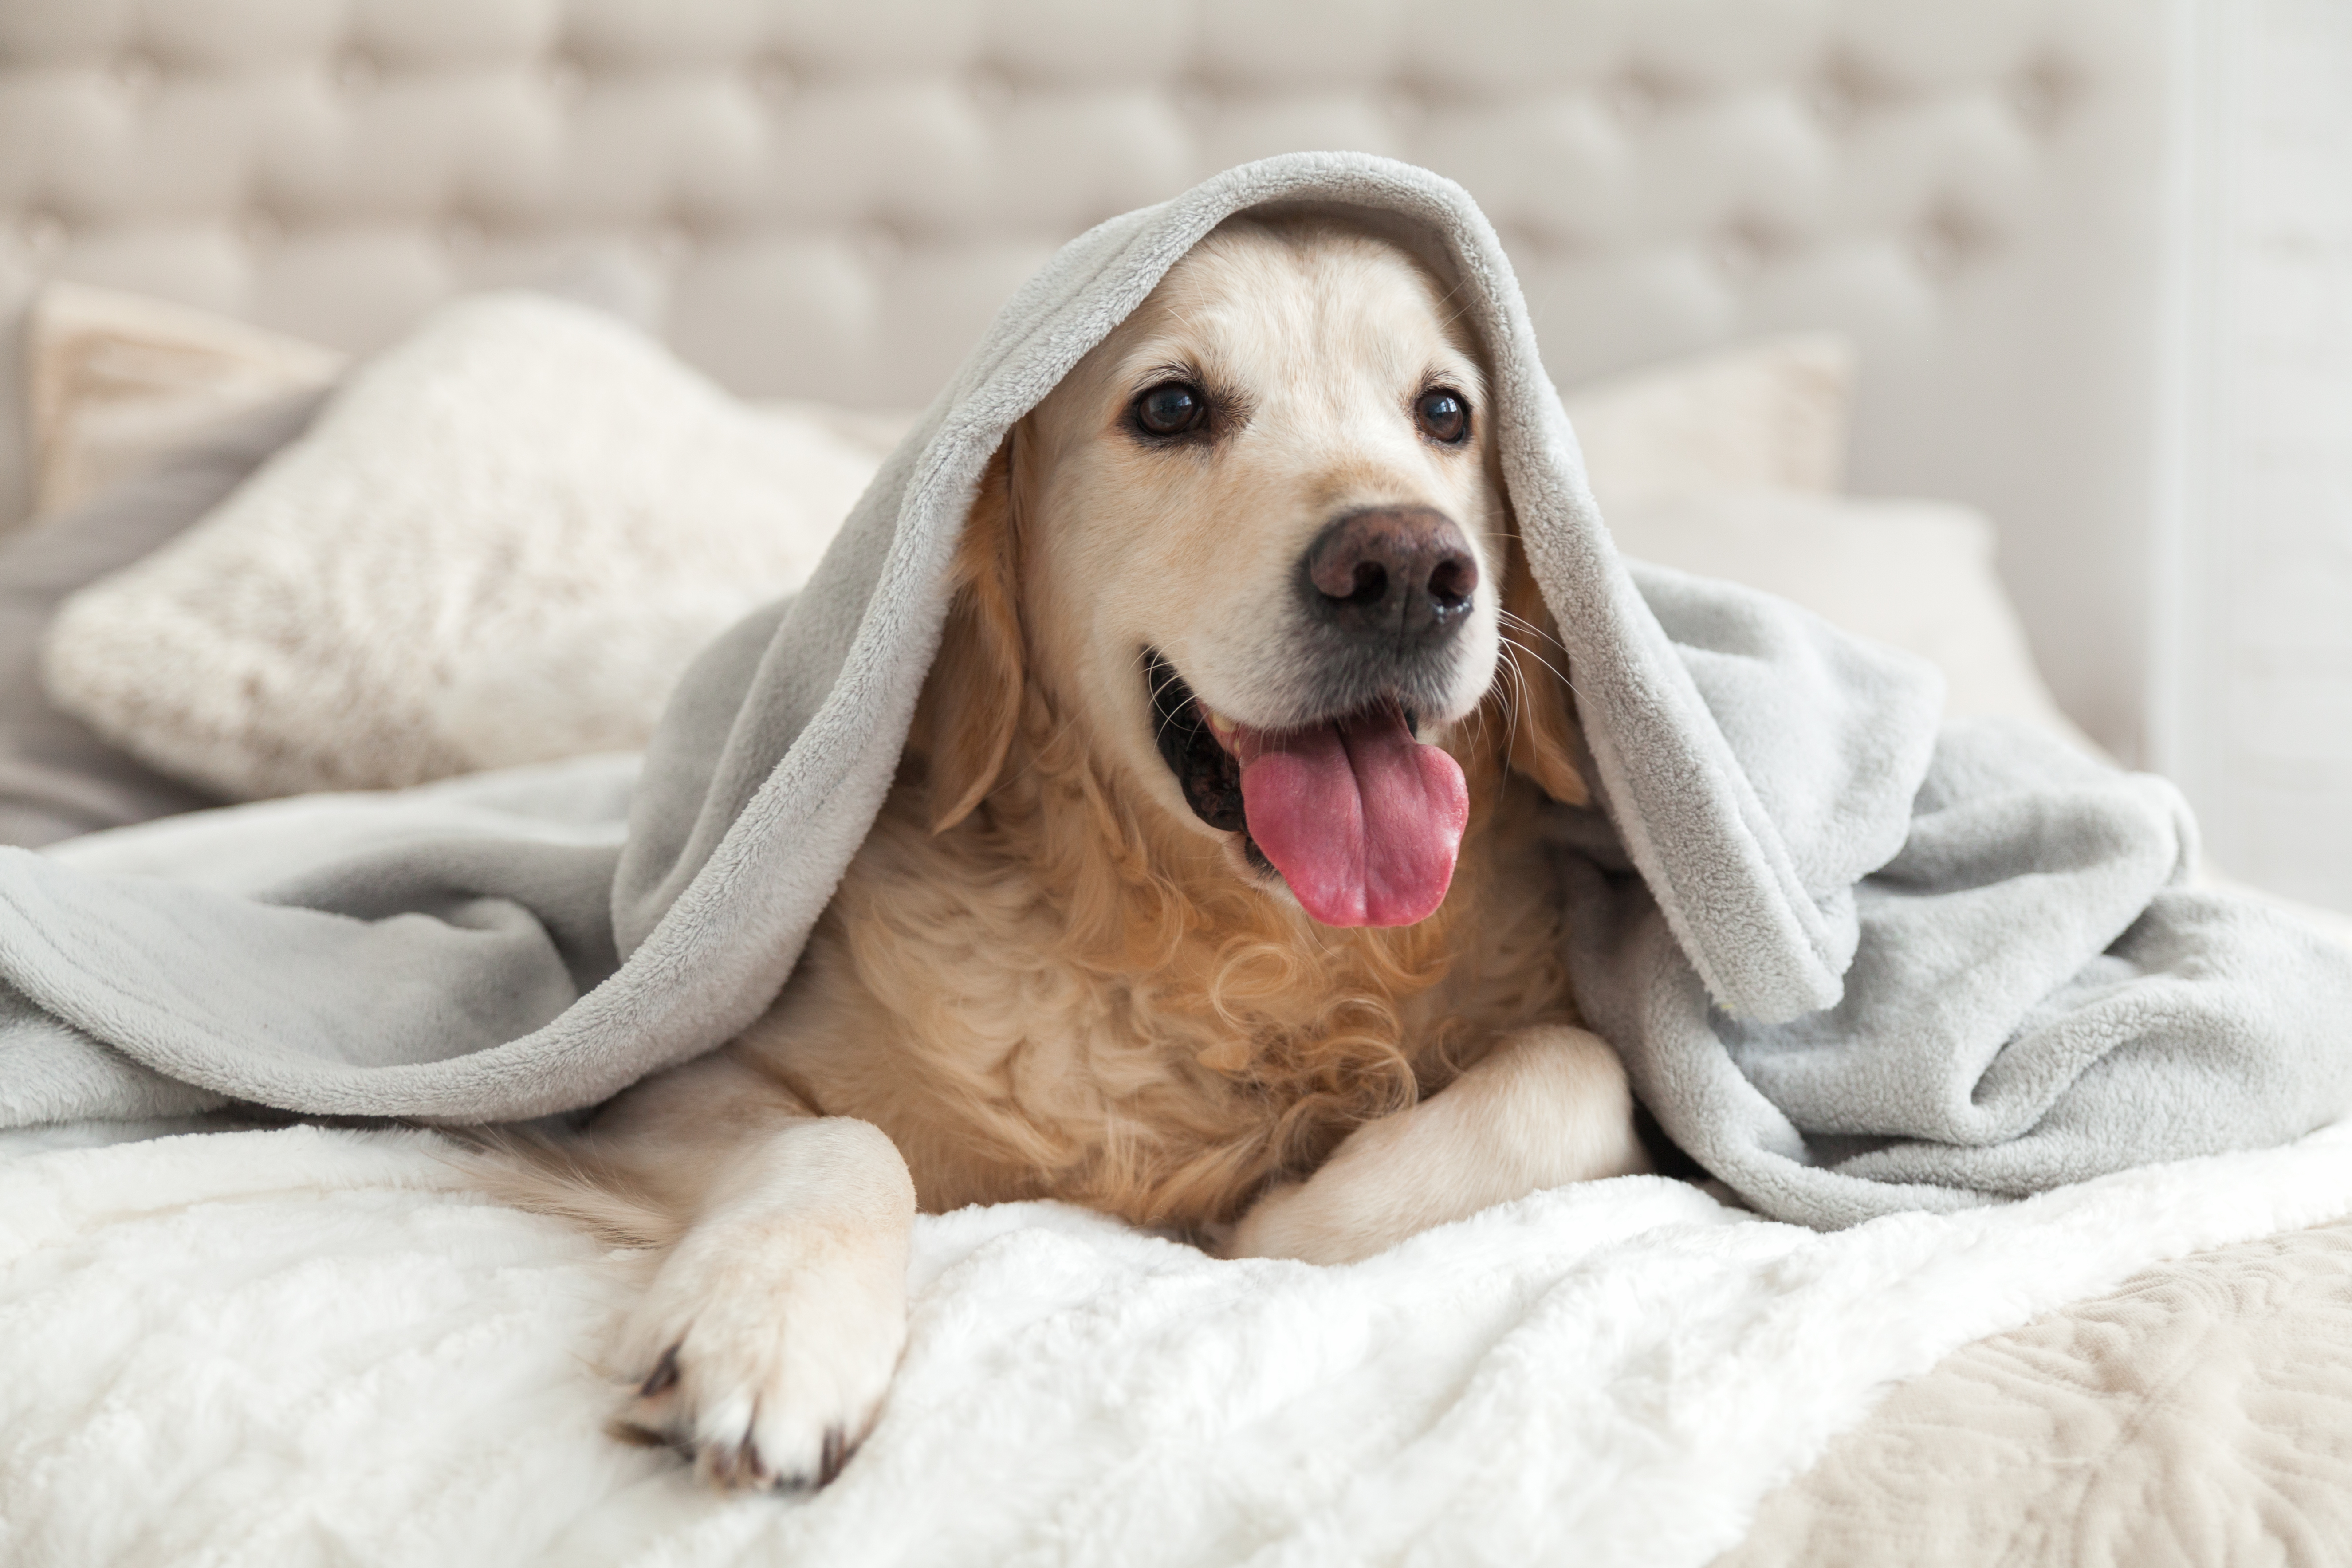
pixel 2250 645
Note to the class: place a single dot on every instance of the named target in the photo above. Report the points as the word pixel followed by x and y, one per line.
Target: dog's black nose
pixel 1392 573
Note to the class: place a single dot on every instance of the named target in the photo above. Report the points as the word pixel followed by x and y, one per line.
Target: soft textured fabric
pixel 1770 414
pixel 2201 1413
pixel 1916 574
pixel 1852 969
pixel 117 383
pixel 57 777
pixel 500 542
pixel 312 1346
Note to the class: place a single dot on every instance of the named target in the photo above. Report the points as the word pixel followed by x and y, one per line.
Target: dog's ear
pixel 971 704
pixel 1542 719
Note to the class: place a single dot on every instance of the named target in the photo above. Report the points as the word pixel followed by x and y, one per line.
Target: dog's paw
pixel 762 1352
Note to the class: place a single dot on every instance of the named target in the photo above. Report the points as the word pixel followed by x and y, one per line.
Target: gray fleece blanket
pixel 1856 964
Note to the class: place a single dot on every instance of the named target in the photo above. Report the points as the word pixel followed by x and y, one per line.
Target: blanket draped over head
pixel 1856 962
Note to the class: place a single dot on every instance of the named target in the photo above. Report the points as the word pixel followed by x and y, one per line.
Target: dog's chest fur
pixel 1052 1000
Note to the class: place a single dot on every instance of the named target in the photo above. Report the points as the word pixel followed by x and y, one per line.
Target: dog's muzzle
pixel 1385 594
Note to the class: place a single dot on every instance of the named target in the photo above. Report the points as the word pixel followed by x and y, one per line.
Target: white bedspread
pixel 306 1346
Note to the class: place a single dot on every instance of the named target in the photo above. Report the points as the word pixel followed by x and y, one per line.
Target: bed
pixel 296 1344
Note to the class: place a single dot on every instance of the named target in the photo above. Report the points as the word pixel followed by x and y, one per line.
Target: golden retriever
pixel 1211 859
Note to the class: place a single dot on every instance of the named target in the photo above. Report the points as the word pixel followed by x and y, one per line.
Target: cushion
pixel 118 381
pixel 1919 575
pixel 500 542
pixel 57 778
pixel 1770 414
pixel 148 413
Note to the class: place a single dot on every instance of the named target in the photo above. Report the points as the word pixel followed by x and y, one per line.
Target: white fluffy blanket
pixel 307 1346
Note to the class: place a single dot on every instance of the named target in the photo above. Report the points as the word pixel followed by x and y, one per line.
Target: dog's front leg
pixel 768 1337
pixel 1547 1106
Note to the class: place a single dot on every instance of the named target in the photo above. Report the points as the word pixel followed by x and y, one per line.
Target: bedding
pixel 147 414
pixel 350 618
pixel 117 382
pixel 58 778
pixel 1770 417
pixel 313 1345
pixel 307 1346
pixel 1915 574
pixel 2202 1412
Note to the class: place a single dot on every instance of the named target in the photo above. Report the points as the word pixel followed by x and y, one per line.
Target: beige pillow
pixel 117 382
pixel 1919 575
pixel 1769 415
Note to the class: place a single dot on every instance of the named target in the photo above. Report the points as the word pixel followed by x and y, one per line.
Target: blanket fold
pixel 1856 964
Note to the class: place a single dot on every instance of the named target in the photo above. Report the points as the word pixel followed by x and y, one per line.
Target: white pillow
pixel 500 542
pixel 1919 575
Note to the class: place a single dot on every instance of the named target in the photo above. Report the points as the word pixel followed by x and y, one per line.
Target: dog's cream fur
pixel 1044 977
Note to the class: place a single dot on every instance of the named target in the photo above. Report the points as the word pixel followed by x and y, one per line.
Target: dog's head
pixel 1257 545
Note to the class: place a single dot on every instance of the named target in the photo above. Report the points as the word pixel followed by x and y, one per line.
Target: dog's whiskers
pixel 1515 697
pixel 1159 730
pixel 1525 625
pixel 1514 643
pixel 1522 623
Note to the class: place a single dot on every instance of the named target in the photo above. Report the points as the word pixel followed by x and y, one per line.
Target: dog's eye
pixel 1171 408
pixel 1442 416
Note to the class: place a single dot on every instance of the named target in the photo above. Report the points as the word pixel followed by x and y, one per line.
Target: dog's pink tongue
pixel 1361 820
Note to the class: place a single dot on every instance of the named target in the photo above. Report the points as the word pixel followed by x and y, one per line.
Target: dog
pixel 1208 893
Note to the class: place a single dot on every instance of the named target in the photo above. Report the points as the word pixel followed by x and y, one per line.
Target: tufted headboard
pixel 830 199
